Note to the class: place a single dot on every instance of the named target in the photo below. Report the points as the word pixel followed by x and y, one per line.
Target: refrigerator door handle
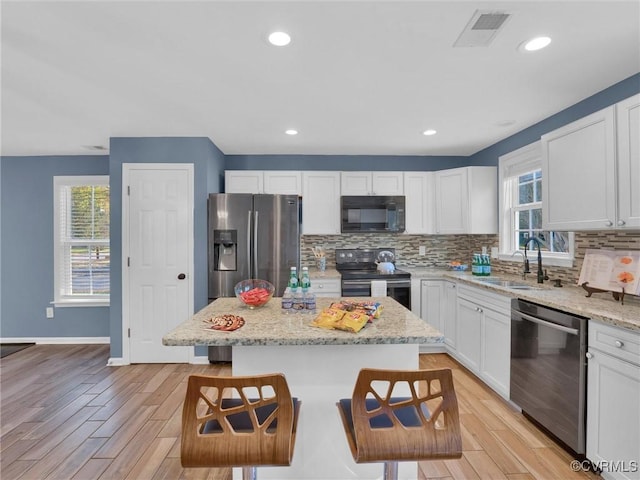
pixel 249 243
pixel 255 245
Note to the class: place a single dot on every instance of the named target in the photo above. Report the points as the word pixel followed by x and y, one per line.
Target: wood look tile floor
pixel 66 415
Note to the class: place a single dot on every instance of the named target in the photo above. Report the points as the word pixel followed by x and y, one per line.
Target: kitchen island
pixel 321 367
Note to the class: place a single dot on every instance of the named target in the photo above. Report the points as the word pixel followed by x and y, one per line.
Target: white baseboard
pixel 116 362
pixel 57 340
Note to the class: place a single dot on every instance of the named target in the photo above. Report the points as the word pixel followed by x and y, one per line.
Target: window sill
pixel 80 303
pixel 546 261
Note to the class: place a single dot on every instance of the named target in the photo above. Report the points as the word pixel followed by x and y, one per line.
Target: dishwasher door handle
pixel 562 328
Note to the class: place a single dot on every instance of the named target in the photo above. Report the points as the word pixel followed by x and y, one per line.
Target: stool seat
pixel 382 427
pixel 238 422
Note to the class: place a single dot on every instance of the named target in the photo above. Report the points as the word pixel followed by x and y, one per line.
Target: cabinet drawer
pixel 620 343
pixel 481 296
pixel 326 287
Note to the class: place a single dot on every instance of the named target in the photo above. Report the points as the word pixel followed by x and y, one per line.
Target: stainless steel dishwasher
pixel 548 370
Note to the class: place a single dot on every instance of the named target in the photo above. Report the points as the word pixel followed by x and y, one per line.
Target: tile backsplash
pixel 442 249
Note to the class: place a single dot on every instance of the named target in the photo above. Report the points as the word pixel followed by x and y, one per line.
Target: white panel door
pixel 160 228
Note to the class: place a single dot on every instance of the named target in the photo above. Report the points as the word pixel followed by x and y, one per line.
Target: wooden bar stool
pixel 238 422
pixel 385 424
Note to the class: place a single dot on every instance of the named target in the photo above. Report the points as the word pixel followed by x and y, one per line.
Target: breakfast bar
pixel 321 367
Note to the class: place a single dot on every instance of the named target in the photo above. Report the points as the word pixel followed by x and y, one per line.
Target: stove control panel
pixel 360 256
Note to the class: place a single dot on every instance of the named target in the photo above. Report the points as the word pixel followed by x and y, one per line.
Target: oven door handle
pixel 562 328
pixel 357 283
pixel 367 283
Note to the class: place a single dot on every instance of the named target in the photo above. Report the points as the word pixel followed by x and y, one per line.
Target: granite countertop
pixel 329 274
pixel 570 298
pixel 268 325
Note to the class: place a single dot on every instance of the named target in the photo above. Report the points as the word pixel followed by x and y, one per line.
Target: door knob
pixel 182 276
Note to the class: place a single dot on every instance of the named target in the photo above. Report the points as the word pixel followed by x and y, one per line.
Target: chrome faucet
pixel 540 273
pixel 525 267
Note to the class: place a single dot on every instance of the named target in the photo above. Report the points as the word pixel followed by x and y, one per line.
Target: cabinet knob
pixel 182 276
pixel 589 355
pixel 618 343
pixel 320 286
pixel 621 223
pixel 609 223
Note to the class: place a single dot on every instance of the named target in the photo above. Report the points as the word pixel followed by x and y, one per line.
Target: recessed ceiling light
pixel 536 43
pixel 429 132
pixel 279 39
pixel 291 131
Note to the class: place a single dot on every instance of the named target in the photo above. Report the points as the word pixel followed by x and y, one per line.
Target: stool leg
pixel 390 471
pixel 251 473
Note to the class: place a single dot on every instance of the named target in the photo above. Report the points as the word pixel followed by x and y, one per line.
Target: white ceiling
pixel 359 77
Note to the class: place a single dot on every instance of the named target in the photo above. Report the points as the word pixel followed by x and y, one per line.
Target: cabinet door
pixel 321 203
pixel 283 182
pixel 450 314
pixel 628 126
pixel 419 190
pixel 578 174
pixel 469 320
pixel 243 181
pixel 356 183
pixel 452 201
pixel 431 303
pixel 613 416
pixel 496 350
pixel 387 183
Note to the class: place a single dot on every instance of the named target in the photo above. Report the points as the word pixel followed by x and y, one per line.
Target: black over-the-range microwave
pixel 372 213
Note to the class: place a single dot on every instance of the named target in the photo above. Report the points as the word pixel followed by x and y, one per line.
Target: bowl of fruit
pixel 254 292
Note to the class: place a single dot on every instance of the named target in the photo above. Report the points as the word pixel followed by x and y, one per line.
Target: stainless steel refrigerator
pixel 250 236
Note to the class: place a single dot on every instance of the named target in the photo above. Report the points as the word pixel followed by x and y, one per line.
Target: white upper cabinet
pixel 372 183
pixel 419 190
pixel 282 182
pixel 243 181
pixel 591 171
pixel 321 203
pixel 628 126
pixel 467 200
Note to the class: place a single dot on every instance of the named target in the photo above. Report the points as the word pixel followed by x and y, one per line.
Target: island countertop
pixel 268 325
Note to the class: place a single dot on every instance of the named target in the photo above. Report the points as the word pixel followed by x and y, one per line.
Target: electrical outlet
pixel 494 252
pixel 422 250
pixel 49 312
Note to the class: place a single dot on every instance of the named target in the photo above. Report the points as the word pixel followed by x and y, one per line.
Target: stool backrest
pixel 237 421
pixel 403 415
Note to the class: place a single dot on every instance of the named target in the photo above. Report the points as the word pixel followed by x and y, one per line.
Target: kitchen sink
pixel 499 282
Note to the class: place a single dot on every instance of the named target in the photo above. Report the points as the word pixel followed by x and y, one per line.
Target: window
pixel 521 209
pixel 81 240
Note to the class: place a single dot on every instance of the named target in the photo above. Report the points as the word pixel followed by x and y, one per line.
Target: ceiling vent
pixel 481 29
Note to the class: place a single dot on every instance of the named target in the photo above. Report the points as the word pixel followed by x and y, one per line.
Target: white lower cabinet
pixel 438 308
pixel 484 336
pixel 613 401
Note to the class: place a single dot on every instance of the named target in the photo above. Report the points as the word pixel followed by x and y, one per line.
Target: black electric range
pixel 358 267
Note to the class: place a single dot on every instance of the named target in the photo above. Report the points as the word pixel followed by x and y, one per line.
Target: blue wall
pixel 208 162
pixel 27 249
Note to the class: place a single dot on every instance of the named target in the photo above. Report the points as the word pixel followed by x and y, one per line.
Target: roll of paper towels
pixel 378 288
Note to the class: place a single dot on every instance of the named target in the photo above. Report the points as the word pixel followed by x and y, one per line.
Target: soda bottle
pixel 293 280
pixel 305 283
